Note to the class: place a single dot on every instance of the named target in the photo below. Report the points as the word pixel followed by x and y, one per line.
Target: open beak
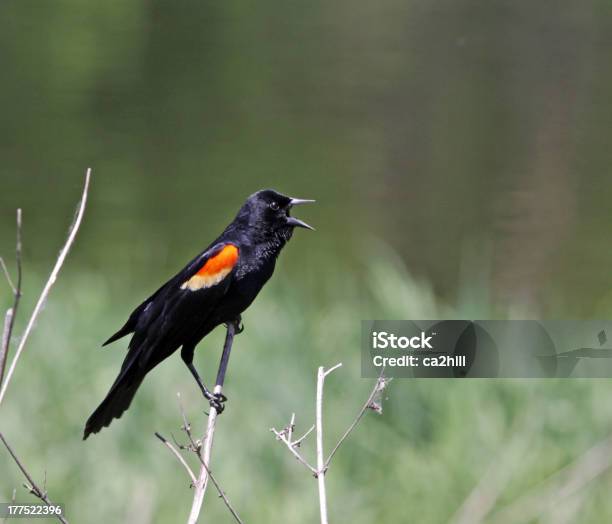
pixel 296 222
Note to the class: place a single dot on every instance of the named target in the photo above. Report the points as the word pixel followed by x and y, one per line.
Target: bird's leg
pixel 208 395
pixel 238 323
pixel 216 400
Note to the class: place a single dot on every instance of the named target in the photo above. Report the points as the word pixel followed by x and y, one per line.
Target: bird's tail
pixel 117 400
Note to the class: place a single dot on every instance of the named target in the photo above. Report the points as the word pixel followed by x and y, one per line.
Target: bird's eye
pixel 274 206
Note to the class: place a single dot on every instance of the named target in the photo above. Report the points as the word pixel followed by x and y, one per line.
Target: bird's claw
pixel 218 402
pixel 238 325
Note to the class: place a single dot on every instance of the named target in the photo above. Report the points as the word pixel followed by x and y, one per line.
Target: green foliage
pixel 433 443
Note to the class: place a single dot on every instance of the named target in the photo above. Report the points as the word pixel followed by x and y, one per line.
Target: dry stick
pixel 218 487
pixel 198 451
pixel 179 457
pixel 298 442
pixel 319 472
pixel 32 487
pixel 7 274
pixel 380 385
pixel 196 448
pixel 202 483
pixel 52 278
pixel 6 337
pixel 319 434
pixel 321 467
pixel 286 435
pixel 10 322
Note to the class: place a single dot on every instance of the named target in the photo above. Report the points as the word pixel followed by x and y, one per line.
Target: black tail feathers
pixel 116 402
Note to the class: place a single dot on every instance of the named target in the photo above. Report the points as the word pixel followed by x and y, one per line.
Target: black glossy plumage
pixel 173 317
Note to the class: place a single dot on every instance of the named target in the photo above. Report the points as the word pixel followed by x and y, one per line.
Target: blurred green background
pixel 459 153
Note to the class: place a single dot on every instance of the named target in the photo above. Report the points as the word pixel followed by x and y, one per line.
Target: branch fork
pixel 286 435
pixel 374 402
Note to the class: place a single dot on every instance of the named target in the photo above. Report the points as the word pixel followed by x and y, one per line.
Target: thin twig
pixel 196 448
pixel 379 387
pixel 291 427
pixel 6 340
pixel 285 436
pixel 8 276
pixel 218 487
pixel 178 456
pixel 299 441
pixel 319 434
pixel 52 278
pixel 204 475
pixel 332 369
pixel 31 486
pixel 186 427
pixel 10 321
pixel 321 464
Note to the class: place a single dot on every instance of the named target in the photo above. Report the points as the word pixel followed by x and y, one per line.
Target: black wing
pixel 161 322
pixel 147 310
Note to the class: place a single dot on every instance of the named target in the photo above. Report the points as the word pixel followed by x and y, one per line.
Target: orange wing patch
pixel 214 270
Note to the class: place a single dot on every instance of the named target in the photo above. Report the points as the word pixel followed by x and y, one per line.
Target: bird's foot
pixel 217 401
pixel 239 326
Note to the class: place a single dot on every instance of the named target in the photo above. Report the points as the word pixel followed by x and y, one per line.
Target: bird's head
pixel 269 212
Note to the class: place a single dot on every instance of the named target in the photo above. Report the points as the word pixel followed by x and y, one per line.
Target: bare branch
pixel 321 374
pixel 321 463
pixel 332 369
pixel 186 426
pixel 32 487
pixel 202 481
pixel 179 457
pixel 10 322
pixel 291 427
pixel 8 276
pixel 52 278
pixel 285 436
pixel 218 487
pixel 196 448
pixel 6 339
pixel 371 403
pixel 204 475
pixel 299 441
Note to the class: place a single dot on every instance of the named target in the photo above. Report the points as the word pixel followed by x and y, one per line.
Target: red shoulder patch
pixel 214 270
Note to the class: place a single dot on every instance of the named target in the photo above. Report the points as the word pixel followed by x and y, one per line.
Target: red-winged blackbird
pixel 214 288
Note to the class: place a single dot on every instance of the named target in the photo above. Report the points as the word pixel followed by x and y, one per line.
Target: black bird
pixel 213 289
